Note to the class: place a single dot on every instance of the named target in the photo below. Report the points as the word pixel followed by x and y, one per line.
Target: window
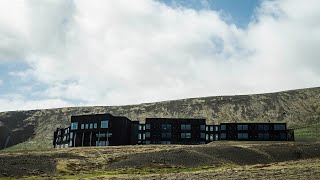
pixel 202 127
pixel 264 136
pixel 211 137
pixel 102 143
pixel 207 137
pixel 139 136
pixel 143 136
pixel 211 128
pixel 223 136
pixel 142 127
pixel 207 128
pixel 87 126
pixel 148 142
pixel 188 135
pixel 148 126
pixel 185 127
pixel 185 135
pixel 223 127
pixel 216 128
pixel 242 127
pixel 147 134
pixel 166 127
pixel 95 125
pixel 102 135
pixel 202 135
pixel 242 135
pixel 82 126
pixel 165 135
pixel 70 143
pixel 165 142
pixel 283 136
pixel 104 124
pixel 71 135
pixel 74 125
pixel 91 126
pixel 279 127
pixel 263 127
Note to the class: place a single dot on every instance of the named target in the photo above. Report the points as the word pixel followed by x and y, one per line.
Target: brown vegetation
pixel 215 160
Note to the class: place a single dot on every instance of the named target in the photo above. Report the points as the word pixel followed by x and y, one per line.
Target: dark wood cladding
pixel 109 130
pixel 89 131
pixel 174 131
pixel 256 132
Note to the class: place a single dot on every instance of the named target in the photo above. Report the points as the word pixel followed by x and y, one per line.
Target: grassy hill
pixel 299 108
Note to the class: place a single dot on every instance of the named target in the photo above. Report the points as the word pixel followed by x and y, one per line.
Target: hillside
pixel 299 108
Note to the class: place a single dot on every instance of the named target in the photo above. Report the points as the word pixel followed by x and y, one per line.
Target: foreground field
pixel 219 160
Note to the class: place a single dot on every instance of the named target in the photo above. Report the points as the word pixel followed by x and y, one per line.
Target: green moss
pixel 28 145
pixel 308 133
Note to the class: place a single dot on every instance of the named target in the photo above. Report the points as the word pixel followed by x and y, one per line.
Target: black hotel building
pixel 109 130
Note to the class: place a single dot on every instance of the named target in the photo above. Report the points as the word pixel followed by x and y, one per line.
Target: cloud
pixel 32 27
pixel 14 101
pixel 284 40
pixel 117 52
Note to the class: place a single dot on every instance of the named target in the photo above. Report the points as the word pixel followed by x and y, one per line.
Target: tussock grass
pixel 308 133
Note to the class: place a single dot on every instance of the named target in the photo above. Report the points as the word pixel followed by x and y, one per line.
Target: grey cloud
pixel 115 52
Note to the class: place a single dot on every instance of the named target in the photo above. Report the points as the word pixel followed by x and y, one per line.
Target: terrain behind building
pixel 300 109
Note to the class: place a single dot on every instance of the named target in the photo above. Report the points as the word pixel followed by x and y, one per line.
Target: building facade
pixel 95 130
pixel 109 130
pixel 173 131
pixel 256 132
pixel 61 137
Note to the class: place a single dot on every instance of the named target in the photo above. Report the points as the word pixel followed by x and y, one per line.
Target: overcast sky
pixel 57 53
